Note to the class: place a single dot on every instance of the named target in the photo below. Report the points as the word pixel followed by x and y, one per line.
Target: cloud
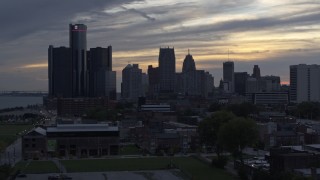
pixel 255 31
pixel 143 14
pixel 32 66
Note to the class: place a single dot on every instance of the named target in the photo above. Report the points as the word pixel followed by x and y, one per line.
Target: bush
pixel 242 173
pixel 219 162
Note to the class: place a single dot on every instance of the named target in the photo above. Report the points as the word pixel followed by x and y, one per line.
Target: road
pixel 123 175
pixel 12 154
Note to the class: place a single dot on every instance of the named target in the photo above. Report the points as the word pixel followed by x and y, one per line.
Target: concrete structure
pixel 75 72
pixel 188 64
pixel 83 140
pixel 167 70
pixel 269 98
pixel 102 80
pixel 154 81
pixel 289 158
pixel 263 84
pixel 228 74
pixel 240 79
pixel 78 46
pixel 34 144
pixel 256 72
pixel 59 72
pixel 131 86
pixel 156 108
pixel 78 140
pixel 78 106
pixel 304 83
pixel 192 82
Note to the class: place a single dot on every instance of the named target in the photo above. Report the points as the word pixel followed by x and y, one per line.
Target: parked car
pixel 21 175
pixel 59 177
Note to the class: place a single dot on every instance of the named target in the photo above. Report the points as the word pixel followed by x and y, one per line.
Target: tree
pixel 238 134
pixel 308 110
pixel 243 109
pixel 209 128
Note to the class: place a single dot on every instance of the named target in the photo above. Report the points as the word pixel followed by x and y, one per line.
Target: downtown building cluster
pixel 163 82
pixel 79 79
pixel 254 88
pixel 75 72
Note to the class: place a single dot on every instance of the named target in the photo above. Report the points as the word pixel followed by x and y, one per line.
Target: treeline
pixel 305 110
pixel 11 109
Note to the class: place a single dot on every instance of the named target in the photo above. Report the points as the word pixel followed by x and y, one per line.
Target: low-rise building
pixel 71 140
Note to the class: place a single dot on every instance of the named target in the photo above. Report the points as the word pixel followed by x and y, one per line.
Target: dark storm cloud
pixel 143 14
pixel 19 18
pixel 31 25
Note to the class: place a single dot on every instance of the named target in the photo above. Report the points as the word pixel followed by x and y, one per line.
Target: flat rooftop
pixel 82 128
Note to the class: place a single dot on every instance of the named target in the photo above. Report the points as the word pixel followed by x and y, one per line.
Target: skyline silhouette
pixel 270 34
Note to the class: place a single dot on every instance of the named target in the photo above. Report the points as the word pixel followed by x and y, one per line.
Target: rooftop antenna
pixel 189 51
pixel 228 55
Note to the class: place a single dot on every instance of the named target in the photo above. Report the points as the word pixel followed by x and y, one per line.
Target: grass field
pixel 130 150
pixel 191 166
pixel 8 133
pixel 37 167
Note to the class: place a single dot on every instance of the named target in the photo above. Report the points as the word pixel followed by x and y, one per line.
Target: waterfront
pixel 17 101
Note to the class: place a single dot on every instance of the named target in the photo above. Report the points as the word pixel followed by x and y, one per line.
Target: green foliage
pixel 219 161
pixel 242 174
pixel 209 127
pixel 41 167
pixel 215 107
pixel 5 171
pixel 130 150
pixel 9 133
pixel 261 175
pixel 242 110
pixel 309 110
pixel 101 114
pixel 238 134
pixel 2 145
pixel 193 167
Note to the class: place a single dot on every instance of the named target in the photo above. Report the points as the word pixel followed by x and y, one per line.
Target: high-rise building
pixel 188 64
pixel 228 75
pixel 154 81
pixel 256 72
pixel 189 76
pixel 145 83
pixel 78 46
pixel 304 83
pixel 131 86
pixel 271 83
pixel 167 70
pixel 192 82
pixel 240 79
pixel 101 77
pixel 60 72
pixel 263 84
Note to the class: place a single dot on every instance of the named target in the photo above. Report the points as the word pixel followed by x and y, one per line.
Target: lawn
pixel 130 150
pixel 191 166
pixel 8 133
pixel 37 167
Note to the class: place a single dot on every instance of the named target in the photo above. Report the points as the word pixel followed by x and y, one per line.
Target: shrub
pixel 220 161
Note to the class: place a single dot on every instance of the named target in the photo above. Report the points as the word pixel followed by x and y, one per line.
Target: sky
pixel 273 34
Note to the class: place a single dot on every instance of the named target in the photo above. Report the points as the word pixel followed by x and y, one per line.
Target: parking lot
pixel 123 175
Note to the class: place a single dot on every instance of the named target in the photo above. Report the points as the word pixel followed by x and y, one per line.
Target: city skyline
pixel 136 29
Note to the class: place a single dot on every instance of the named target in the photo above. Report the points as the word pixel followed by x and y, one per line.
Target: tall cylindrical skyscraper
pixel 78 45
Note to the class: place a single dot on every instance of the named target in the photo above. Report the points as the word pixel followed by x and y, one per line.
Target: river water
pixel 15 101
